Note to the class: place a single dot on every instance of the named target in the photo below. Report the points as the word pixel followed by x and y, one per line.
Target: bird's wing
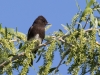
pixel 36 31
pixel 29 31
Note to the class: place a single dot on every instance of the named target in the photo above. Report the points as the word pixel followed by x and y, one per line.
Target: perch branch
pixel 19 55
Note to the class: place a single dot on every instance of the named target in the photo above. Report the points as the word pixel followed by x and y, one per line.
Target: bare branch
pixel 14 40
pixel 98 43
pixel 91 29
pixel 67 52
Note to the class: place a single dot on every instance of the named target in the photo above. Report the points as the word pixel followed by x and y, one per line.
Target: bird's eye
pixel 43 20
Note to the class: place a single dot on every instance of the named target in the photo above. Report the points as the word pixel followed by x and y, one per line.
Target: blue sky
pixel 22 13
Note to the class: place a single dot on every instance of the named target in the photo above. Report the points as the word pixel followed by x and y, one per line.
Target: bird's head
pixel 41 20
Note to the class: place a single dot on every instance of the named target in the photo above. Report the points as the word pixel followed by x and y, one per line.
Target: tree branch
pixel 20 55
pixel 91 29
pixel 86 22
pixel 67 52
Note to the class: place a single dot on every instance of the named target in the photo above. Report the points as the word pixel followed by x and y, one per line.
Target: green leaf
pixel 48 38
pixel 99 33
pixel 5 32
pixel 60 31
pixel 16 29
pixel 92 20
pixel 21 36
pixel 90 3
pixel 86 1
pixel 20 45
pixel 0 26
pixel 11 55
pixel 78 5
pixel 74 20
pixel 47 27
pixel 38 58
pixel 98 19
pixel 52 69
pixel 98 9
pixel 86 12
pixel 65 27
pixel 96 23
pixel 10 30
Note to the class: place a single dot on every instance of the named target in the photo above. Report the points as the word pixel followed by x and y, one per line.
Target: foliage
pixel 79 47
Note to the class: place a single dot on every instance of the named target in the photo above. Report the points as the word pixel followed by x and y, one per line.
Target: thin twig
pixel 14 40
pixel 86 22
pixel 67 52
pixel 98 43
pixel 91 29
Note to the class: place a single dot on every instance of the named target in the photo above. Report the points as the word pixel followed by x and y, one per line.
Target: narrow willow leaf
pixel 6 32
pixel 47 27
pixel 86 1
pixel 98 9
pixel 38 58
pixel 52 69
pixel 84 69
pixel 92 19
pixel 21 36
pixel 98 19
pixel 44 70
pixel 65 27
pixel 68 26
pixel 90 3
pixel 16 30
pixel 60 31
pixel 11 55
pixel 86 12
pixel 10 30
pixel 0 26
pixel 20 45
pixel 48 38
pixel 0 30
pixel 99 33
pixel 96 23
pixel 74 20
pixel 78 6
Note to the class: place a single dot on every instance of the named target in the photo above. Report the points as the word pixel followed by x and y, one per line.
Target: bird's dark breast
pixel 36 29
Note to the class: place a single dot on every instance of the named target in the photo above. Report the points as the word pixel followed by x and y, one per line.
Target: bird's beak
pixel 48 24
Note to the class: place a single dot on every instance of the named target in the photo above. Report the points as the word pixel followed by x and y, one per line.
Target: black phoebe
pixel 37 30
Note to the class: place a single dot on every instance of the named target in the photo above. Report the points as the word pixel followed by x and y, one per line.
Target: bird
pixel 37 31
